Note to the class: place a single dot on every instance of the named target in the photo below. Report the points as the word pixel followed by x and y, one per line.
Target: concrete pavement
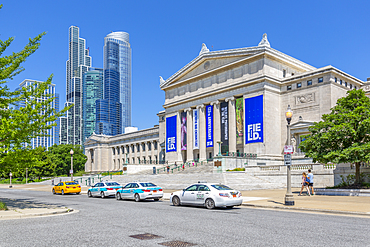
pixel 268 199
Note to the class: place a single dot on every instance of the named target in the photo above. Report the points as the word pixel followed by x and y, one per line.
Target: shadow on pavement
pixel 24 203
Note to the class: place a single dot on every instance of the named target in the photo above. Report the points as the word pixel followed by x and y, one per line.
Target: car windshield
pixel 147 184
pixel 220 187
pixel 112 184
pixel 71 183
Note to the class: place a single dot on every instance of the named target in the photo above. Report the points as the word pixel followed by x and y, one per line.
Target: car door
pixel 125 192
pixel 133 190
pixel 201 194
pixel 57 188
pixel 188 195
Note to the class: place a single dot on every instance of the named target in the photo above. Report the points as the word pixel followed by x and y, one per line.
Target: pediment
pixel 209 63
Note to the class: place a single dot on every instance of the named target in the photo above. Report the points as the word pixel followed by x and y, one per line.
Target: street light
pixel 71 171
pixel 219 148
pixel 289 200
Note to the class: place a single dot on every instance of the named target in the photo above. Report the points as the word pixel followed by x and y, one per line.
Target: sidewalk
pixel 269 199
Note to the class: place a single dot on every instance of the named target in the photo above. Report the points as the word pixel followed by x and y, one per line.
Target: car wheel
pixel 102 194
pixel 137 197
pixel 54 192
pixel 176 201
pixel 229 206
pixel 156 199
pixel 77 193
pixel 89 194
pixel 210 204
pixel 118 196
pixel 62 192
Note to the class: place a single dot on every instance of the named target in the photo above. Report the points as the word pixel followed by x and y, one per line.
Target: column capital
pixel 230 99
pixel 200 106
pixel 216 102
pixel 187 109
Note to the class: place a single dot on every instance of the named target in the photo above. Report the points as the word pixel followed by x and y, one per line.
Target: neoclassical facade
pixel 237 98
pixel 112 153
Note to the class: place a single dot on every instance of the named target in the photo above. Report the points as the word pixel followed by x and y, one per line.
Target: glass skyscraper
pixel 113 113
pixel 53 133
pixel 92 91
pixel 78 63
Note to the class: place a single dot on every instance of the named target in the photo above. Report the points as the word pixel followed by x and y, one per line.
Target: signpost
pixel 288 149
pixel 287 159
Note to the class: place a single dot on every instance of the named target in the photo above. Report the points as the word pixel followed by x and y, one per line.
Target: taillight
pixel 109 188
pixel 67 187
pixel 224 194
pixel 160 190
pixel 240 194
pixel 146 190
pixel 79 186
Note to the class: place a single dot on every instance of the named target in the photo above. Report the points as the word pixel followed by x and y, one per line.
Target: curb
pixel 20 216
pixel 307 209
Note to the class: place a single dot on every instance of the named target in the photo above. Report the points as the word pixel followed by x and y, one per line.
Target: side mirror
pixel 183 189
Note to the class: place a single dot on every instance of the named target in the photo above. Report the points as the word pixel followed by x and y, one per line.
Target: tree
pixel 60 156
pixel 35 117
pixel 343 136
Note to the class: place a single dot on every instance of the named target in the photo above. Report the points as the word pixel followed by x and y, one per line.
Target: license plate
pixel 234 195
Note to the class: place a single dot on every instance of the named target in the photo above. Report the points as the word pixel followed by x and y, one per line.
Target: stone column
pixel 216 126
pixel 202 133
pixel 189 135
pixel 232 124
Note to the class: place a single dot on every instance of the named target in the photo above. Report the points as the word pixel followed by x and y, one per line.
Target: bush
pixel 236 170
pixel 3 206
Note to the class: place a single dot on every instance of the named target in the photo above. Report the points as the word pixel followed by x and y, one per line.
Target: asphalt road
pixel 108 222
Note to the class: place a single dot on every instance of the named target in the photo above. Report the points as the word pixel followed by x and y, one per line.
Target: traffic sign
pixel 287 159
pixel 70 171
pixel 288 149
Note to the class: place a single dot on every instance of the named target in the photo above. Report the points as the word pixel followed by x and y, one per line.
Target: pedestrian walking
pixel 183 166
pixel 310 185
pixel 168 169
pixel 305 183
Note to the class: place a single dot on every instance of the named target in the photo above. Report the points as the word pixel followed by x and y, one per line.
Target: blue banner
pixel 254 119
pixel 196 129
pixel 209 126
pixel 171 131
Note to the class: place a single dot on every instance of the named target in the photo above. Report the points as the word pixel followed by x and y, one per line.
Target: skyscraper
pixel 53 133
pixel 114 111
pixel 92 91
pixel 78 62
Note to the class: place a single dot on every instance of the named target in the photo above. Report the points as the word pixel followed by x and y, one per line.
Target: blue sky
pixel 166 35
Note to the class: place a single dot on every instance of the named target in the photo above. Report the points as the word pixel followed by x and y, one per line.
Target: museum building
pixel 231 102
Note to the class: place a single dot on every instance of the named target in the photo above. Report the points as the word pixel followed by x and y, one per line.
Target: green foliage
pixel 3 206
pixel 343 136
pixel 350 180
pixel 236 170
pixel 59 155
pixel 32 118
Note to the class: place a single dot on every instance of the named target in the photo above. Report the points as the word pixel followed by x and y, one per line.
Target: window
pixel 350 86
pixel 345 84
pixel 284 72
pixel 309 83
pixel 321 79
pixel 299 85
pixel 340 82
pixel 289 87
pixel 114 151
pixel 335 79
pixel 355 87
pixel 118 150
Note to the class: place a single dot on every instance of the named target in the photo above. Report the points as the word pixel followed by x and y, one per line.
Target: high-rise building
pixel 78 62
pixel 92 91
pixel 113 113
pixel 52 134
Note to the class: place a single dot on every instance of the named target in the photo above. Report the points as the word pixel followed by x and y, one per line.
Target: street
pixel 108 222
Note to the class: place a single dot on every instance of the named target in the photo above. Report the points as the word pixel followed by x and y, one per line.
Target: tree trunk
pixel 357 175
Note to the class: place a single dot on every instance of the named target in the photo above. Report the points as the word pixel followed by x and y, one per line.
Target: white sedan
pixel 207 194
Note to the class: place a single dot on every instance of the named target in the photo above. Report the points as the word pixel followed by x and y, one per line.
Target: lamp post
pixel 219 148
pixel 71 171
pixel 289 200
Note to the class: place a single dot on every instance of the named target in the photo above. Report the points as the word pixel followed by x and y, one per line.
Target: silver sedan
pixel 207 194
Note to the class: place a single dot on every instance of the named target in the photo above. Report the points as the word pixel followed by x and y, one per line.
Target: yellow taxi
pixel 67 187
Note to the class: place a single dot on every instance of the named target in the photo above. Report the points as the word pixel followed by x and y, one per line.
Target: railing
pixel 301 167
pixel 269 168
pixel 241 155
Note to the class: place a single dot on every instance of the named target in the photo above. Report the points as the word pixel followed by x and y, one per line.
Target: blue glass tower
pixel 113 113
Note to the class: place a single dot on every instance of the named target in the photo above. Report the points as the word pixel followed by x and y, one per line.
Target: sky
pixel 166 35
